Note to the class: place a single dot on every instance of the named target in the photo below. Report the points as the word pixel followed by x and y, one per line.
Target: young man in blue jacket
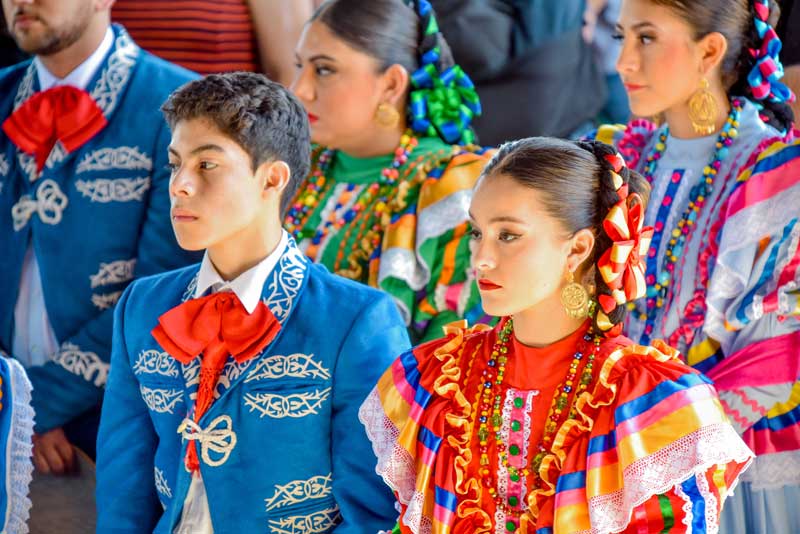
pixel 235 384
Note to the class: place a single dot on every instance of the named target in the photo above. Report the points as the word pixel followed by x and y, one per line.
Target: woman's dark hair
pixel 576 185
pixel 388 30
pixel 735 20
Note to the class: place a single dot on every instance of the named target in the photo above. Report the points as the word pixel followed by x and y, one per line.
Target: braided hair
pixel 616 181
pixel 442 99
pixel 578 183
pixel 751 66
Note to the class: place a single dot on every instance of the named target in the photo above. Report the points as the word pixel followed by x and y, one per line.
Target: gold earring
pixel 703 110
pixel 387 116
pixel 575 298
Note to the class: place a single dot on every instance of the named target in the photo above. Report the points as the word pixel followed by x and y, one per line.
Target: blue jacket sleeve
pixel 377 336
pixel 73 381
pixel 127 502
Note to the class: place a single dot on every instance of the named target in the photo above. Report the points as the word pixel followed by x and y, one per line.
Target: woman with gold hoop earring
pixel 552 421
pixel 722 270
pixel 394 161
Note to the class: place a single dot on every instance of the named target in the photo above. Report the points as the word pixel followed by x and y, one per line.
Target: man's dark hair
pixel 262 116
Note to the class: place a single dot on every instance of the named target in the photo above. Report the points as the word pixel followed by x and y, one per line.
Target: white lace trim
pixel 688 517
pixel 657 473
pixel 773 471
pixel 19 452
pixel 712 507
pixel 395 464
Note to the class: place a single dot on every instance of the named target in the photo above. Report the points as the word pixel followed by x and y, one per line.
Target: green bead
pixel 510 526
pixel 518 402
pixel 514 477
pixel 515 426
pixel 513 501
pixel 514 450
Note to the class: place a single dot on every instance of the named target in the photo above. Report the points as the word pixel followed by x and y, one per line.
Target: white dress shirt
pixel 248 286
pixel 34 341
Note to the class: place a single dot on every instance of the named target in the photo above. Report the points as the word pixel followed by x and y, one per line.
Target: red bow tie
pixel 63 113
pixel 216 325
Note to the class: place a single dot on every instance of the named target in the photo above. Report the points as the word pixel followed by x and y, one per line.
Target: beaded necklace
pixel 376 196
pixel 659 280
pixel 489 412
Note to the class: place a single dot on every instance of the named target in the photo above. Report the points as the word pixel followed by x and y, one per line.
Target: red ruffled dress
pixel 638 442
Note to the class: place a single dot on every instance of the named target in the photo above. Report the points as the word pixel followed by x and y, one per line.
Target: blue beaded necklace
pixel 659 280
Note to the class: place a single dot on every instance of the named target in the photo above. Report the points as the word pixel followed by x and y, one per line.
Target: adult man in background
pixel 84 206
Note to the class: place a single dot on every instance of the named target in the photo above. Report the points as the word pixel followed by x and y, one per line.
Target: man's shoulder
pixel 169 285
pixel 158 77
pixel 343 291
pixel 11 76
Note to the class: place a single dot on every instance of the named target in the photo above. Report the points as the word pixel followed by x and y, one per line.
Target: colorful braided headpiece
pixel 766 73
pixel 622 266
pixel 443 101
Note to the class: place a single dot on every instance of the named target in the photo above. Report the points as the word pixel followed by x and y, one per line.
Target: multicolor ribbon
pixel 622 266
pixel 764 77
pixel 442 102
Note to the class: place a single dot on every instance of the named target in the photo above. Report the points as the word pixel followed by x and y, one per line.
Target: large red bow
pixel 216 325
pixel 63 113
pixel 622 266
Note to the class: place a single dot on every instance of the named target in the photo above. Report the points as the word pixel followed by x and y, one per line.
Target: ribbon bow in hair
pixel 765 75
pixel 622 266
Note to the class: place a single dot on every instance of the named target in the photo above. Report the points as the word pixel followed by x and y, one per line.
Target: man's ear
pixel 274 176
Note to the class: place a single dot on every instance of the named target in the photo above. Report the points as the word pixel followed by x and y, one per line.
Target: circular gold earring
pixel 387 116
pixel 575 298
pixel 703 110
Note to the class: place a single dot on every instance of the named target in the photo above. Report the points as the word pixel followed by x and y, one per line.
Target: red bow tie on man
pixel 214 326
pixel 64 113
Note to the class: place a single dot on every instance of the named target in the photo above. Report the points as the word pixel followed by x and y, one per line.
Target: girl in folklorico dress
pixel 394 164
pixel 722 273
pixel 552 422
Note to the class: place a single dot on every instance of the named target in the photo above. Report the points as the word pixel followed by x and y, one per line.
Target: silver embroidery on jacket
pixel 106 301
pixel 49 203
pixel 114 272
pixel 298 491
pixel 105 190
pixel 82 363
pixel 155 362
pixel 293 405
pixel 293 365
pixel 108 158
pixel 313 523
pixel 161 400
pixel 161 483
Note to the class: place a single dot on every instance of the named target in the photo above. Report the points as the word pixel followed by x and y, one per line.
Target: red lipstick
pixel 487 285
pixel 633 87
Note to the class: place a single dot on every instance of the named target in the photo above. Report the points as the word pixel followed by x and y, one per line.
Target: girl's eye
pixel 207 165
pixel 172 167
pixel 475 233
pixel 323 71
pixel 507 237
pixel 617 36
pixel 646 39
